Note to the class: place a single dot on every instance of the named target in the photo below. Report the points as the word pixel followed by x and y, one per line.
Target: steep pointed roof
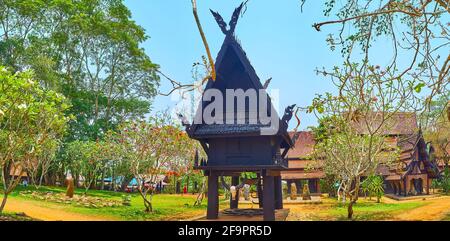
pixel 231 44
pixel 234 71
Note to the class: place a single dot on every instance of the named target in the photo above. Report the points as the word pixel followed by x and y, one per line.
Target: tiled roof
pixel 304 145
pixel 403 123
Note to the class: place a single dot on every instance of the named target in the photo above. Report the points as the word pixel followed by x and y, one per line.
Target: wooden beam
pixel 213 196
pixel 269 198
pixel 273 173
pixel 278 193
pixel 233 168
pixel 259 191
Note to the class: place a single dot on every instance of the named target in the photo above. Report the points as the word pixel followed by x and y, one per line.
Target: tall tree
pixel 88 50
pixel 24 107
pixel 354 122
pixel 437 129
pixel 107 74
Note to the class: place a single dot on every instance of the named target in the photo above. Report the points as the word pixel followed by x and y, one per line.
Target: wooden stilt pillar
pixel 260 191
pixel 234 203
pixel 311 186
pixel 278 193
pixel 318 186
pixel 405 186
pixel 213 196
pixel 269 198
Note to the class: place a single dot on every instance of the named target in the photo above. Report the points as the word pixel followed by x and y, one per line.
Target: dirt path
pixel 51 213
pixel 435 210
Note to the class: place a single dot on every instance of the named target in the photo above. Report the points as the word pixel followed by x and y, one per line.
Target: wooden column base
pixel 278 192
pixel 213 196
pixel 269 198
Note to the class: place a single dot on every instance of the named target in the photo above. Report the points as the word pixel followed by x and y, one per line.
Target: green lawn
pixel 178 207
pixel 447 217
pixel 166 207
pixel 365 211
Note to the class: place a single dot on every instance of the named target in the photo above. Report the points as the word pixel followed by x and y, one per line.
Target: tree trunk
pixel 41 179
pixel 353 197
pixel 148 206
pixel 187 185
pixel 5 198
pixel 113 178
pixel 103 180
pixel 350 210
pixel 201 194
pixel 76 180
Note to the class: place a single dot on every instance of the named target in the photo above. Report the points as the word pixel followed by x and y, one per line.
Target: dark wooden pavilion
pixel 414 169
pixel 234 148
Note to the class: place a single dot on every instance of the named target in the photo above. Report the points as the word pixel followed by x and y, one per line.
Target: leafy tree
pixel 356 120
pixel 152 149
pixel 30 118
pixel 348 156
pixel 120 165
pixel 445 180
pixel 437 129
pixel 416 33
pixel 373 185
pixel 87 50
pixel 107 75
pixel 21 22
pixel 86 160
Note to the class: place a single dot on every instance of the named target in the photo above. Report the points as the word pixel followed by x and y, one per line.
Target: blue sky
pixel 278 39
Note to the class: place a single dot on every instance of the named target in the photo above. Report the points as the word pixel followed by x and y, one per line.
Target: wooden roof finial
pixel 233 21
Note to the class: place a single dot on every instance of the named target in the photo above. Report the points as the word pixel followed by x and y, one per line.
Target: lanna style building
pixel 414 169
pixel 411 174
pixel 238 139
pixel 302 165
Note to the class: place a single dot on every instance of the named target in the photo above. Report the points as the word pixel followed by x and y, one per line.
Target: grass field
pixel 364 210
pixel 447 217
pixel 166 207
pixel 180 207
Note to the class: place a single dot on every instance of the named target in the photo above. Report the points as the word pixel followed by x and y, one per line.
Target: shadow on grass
pixel 15 217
